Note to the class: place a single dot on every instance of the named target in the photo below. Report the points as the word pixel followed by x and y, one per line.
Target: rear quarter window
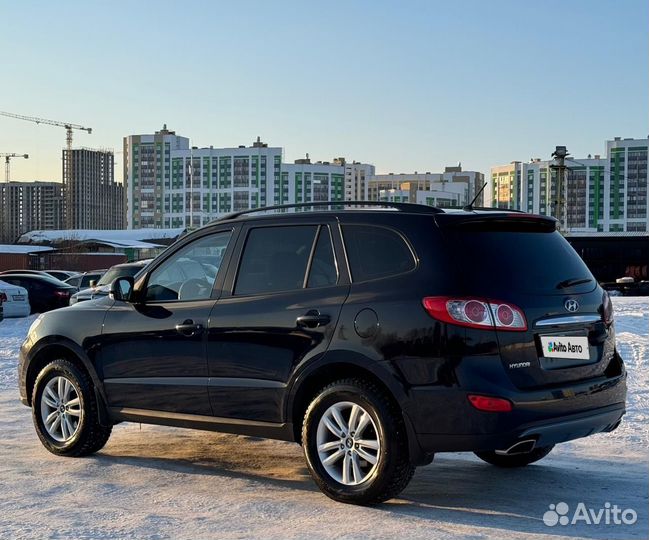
pixel 376 252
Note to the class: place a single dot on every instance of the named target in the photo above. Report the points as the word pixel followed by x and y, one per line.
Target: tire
pixel 84 434
pixel 382 437
pixel 515 460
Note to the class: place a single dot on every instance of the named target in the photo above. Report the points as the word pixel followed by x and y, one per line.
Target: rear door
pixel 280 309
pixel 517 260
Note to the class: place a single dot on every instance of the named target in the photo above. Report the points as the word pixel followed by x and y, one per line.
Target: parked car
pixel 61 274
pixel 19 271
pixel 374 338
pixel 45 292
pixel 102 288
pixel 15 300
pixel 85 279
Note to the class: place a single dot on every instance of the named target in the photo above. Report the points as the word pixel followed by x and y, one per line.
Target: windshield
pixel 116 272
pixel 526 262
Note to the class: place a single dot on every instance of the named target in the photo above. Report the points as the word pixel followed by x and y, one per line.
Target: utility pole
pixel 560 155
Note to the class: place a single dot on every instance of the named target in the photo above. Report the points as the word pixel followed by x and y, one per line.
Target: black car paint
pixel 42 290
pixel 244 370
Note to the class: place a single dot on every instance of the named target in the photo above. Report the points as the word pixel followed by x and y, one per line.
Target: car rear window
pixel 493 262
pixel 376 252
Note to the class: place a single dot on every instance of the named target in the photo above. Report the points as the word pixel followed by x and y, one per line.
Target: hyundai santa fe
pixel 374 336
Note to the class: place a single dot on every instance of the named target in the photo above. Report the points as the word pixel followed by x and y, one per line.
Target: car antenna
pixel 469 207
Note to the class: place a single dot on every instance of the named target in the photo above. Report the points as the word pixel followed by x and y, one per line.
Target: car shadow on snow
pixel 461 490
pixel 455 488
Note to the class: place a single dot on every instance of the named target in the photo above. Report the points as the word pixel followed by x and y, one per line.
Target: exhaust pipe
pixel 521 447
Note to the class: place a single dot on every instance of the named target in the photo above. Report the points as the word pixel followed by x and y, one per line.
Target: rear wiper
pixel 571 282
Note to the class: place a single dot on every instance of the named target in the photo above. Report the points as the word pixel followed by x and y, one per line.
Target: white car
pixel 17 302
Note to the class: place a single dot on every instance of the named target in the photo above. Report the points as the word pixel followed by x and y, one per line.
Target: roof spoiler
pixel 497 221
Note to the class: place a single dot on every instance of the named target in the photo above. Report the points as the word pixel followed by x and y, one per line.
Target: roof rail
pixel 403 207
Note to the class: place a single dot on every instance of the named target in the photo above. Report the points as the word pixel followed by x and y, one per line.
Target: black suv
pixel 373 336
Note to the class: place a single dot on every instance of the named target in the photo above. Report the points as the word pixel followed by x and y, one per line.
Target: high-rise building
pixel 170 184
pixel 93 200
pixel 602 193
pixel 453 187
pixel 626 189
pixel 304 181
pixel 209 182
pixel 506 185
pixel 27 206
pixel 357 177
pixel 147 177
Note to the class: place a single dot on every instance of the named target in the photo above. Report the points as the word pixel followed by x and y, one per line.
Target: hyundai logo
pixel 571 305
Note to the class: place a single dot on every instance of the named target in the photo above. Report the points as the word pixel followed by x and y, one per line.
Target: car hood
pixel 93 291
pixel 99 302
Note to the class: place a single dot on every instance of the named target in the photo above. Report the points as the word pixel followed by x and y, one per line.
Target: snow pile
pixel 12 334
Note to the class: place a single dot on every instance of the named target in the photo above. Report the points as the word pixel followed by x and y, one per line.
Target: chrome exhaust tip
pixel 521 447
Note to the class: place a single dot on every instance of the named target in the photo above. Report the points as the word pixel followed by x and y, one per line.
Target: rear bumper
pixel 545 433
pixel 444 421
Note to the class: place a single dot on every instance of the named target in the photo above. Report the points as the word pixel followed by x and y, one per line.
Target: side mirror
pixel 121 288
pixel 93 283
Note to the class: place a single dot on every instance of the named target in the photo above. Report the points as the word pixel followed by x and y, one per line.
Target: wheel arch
pixel 55 347
pixel 335 365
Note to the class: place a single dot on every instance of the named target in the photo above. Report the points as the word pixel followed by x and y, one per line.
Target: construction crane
pixel 68 139
pixel 8 157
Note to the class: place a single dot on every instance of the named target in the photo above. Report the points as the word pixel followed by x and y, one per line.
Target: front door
pixel 279 309
pixel 153 352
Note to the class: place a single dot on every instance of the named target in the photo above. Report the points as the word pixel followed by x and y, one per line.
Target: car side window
pixel 275 259
pixel 376 252
pixel 189 274
pixel 323 271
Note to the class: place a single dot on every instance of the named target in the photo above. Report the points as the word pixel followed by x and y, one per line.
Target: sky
pixel 408 86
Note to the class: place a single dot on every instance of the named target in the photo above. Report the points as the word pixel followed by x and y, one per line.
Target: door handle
pixel 313 319
pixel 189 328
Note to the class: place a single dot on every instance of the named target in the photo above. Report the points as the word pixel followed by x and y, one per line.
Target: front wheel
pixel 355 445
pixel 65 411
pixel 514 460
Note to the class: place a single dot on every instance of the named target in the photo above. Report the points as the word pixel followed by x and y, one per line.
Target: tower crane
pixel 7 158
pixel 68 139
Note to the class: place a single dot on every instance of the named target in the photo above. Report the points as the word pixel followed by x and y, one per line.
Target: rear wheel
pixel 65 411
pixel 514 460
pixel 355 445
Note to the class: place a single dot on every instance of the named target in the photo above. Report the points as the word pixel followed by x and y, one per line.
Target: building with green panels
pixel 603 193
pixel 148 167
pixel 170 184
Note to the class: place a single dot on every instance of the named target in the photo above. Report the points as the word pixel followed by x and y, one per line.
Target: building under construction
pixel 93 200
pixel 28 206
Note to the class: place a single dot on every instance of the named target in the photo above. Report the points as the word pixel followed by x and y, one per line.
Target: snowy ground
pixel 156 482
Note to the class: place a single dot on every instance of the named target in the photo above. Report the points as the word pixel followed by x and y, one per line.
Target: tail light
pixel 490 404
pixel 62 294
pixel 476 313
pixel 3 297
pixel 607 308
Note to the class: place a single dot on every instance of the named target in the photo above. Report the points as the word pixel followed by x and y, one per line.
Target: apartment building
pixel 602 193
pixel 27 206
pixel 169 183
pixel 453 187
